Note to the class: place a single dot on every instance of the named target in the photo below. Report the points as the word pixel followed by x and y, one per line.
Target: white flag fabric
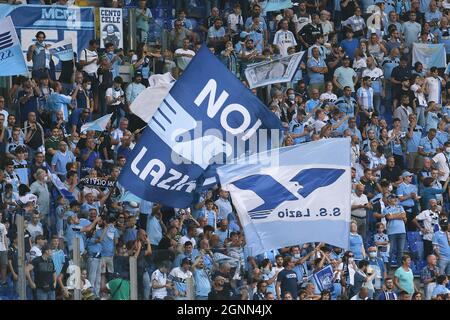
pixel 97 125
pixel 293 195
pixel 148 101
pixel 12 61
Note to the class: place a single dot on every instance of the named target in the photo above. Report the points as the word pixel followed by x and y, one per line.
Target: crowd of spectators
pixel 356 80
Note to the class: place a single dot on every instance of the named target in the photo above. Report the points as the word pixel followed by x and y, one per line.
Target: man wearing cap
pixel 44 275
pixel 441 245
pixel 134 88
pixel 407 193
pixel 395 216
pixel 345 76
pixel 178 277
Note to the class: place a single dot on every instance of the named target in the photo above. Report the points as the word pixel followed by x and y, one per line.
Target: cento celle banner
pixel 111 22
pixel 58 23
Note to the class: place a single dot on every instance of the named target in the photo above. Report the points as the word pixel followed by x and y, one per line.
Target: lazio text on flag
pixel 293 195
pixel 207 116
pixel 12 61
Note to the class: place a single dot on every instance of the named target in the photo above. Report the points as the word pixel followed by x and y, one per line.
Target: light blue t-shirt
pixel 154 230
pixel 356 243
pixel 440 239
pixel 406 279
pixel 404 190
pixel 315 77
pixel 396 226
pixel 202 283
pixel 60 160
pixel 107 243
pixel 344 77
pixel 73 231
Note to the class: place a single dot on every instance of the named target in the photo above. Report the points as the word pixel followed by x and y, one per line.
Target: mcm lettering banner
pixel 430 55
pixel 111 27
pixel 293 195
pixel 208 118
pixel 275 71
pixel 58 23
pixel 12 61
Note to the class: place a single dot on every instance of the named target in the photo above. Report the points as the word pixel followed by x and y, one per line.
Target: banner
pixel 324 278
pixel 61 187
pixel 97 125
pixel 97 182
pixel 430 55
pixel 58 23
pixel 275 71
pixel 209 117
pixel 111 27
pixel 293 195
pixel 276 5
pixel 148 101
pixel 63 50
pixel 12 61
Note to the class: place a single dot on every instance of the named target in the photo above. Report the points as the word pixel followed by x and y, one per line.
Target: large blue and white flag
pixel 293 195
pixel 97 125
pixel 12 61
pixel 430 55
pixel 63 49
pixel 208 117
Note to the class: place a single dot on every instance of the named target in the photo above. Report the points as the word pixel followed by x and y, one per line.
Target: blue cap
pixel 407 174
pixel 244 34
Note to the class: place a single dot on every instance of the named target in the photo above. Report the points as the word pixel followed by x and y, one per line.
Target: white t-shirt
pixel 420 96
pixel 88 55
pixel 429 219
pixel 3 233
pixel 161 279
pixel 113 93
pixel 434 89
pixel 441 162
pixel 35 230
pixel 284 40
pixel 359 201
pixel 35 252
pixel 182 62
pixel 234 20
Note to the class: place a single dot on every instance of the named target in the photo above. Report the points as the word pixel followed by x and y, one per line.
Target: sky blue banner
pixel 430 55
pixel 58 23
pixel 276 5
pixel 279 195
pixel 12 61
pixel 208 117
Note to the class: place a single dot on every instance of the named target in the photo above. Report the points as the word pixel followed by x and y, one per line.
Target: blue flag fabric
pixel 61 187
pixel 324 278
pixel 277 5
pixel 63 49
pixel 293 195
pixel 12 61
pixel 208 117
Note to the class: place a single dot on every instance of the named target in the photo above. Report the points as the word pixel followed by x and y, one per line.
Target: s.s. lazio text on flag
pixel 208 116
pixel 306 198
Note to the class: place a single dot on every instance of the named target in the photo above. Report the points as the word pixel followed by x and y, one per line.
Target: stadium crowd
pixel 356 80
